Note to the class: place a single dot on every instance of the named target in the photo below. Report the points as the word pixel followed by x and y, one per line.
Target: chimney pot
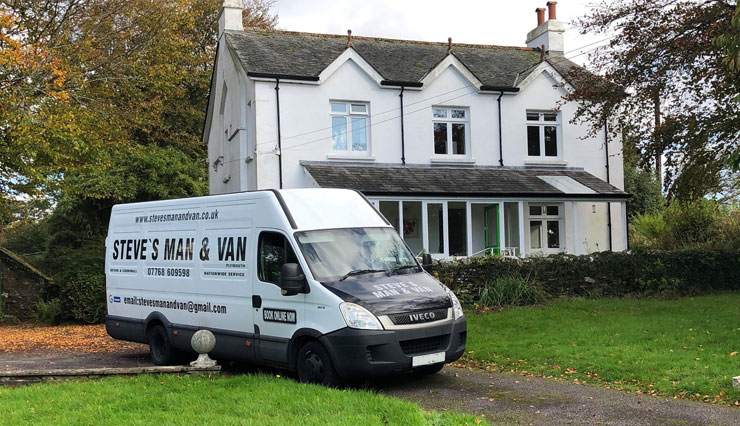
pixel 540 15
pixel 551 10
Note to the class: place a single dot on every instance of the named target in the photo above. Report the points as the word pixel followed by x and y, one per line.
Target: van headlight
pixel 358 317
pixel 456 307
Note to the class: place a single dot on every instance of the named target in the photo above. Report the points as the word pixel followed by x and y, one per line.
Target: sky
pixel 498 22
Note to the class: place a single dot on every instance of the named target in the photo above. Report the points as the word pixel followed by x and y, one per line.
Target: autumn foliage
pixel 669 90
pixel 102 103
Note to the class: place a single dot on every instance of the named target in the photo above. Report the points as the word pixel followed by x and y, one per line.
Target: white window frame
pixel 543 218
pixel 448 121
pixel 541 123
pixel 349 114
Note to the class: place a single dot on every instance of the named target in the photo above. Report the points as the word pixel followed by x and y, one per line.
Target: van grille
pixel 426 344
pixel 418 317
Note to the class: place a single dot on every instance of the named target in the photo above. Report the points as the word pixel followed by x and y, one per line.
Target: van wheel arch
pixel 155 318
pixel 300 338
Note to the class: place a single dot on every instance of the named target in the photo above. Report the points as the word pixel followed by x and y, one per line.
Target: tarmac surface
pixel 501 398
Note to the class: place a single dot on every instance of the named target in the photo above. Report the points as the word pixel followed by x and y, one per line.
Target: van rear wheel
pixel 315 365
pixel 160 348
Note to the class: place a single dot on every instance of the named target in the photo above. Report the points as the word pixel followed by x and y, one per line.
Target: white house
pixel 463 148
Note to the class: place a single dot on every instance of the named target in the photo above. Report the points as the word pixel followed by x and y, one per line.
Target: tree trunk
pixel 657 142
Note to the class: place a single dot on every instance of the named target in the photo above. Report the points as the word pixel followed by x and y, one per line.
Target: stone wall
pixel 21 286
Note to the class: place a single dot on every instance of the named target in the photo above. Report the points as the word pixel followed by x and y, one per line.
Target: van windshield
pixel 337 254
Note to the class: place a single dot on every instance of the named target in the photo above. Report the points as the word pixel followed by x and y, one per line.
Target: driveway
pixel 505 398
pixel 502 398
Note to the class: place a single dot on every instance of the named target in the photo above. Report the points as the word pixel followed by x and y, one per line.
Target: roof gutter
pixel 516 195
pixel 501 89
pixel 282 76
pixel 401 83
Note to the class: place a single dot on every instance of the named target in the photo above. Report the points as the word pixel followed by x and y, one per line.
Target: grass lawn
pixel 187 400
pixel 686 347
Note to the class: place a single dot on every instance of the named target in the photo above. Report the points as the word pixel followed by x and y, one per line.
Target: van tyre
pixel 160 348
pixel 429 369
pixel 315 365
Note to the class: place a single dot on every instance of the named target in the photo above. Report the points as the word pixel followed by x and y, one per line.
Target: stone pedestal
pixel 203 342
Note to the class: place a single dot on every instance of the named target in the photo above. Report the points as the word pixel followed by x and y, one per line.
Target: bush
pixel 693 224
pixel 617 274
pixel 701 224
pixel 50 312
pixel 649 230
pixel 510 290
pixel 84 299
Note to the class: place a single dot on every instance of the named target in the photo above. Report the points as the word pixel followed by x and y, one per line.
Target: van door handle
pixel 256 301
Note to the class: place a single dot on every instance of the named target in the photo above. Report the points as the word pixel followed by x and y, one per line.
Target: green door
pixel 491 229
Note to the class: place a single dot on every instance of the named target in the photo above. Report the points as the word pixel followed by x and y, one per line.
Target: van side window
pixel 274 251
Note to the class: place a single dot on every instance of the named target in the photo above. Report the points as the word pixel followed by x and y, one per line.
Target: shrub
pixel 693 224
pixel 699 224
pixel 640 273
pixel 649 230
pixel 510 290
pixel 50 312
pixel 84 299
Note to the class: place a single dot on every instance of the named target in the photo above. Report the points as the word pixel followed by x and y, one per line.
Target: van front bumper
pixel 363 353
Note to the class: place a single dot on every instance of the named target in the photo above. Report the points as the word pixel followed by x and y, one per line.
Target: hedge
pixel 605 274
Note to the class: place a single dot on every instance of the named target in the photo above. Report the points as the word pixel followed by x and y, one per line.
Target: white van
pixel 313 280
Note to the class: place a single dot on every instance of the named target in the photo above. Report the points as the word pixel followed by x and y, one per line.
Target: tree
pixel 730 42
pixel 38 137
pixel 84 82
pixel 123 124
pixel 645 189
pixel 663 73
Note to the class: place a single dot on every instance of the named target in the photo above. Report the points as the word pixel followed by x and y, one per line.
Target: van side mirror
pixel 426 260
pixel 292 279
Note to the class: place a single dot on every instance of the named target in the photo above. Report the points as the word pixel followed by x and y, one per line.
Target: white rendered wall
pixel 306 133
pixel 252 161
pixel 231 174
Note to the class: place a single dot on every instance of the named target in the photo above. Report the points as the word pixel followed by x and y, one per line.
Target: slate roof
pixel 458 181
pixel 306 55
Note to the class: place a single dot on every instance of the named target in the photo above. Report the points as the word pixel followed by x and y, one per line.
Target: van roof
pixel 305 208
pixel 325 208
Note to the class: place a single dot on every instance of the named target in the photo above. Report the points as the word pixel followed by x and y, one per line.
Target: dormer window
pixel 451 131
pixel 543 135
pixel 350 127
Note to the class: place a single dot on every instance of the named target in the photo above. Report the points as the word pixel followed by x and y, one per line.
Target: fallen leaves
pixel 81 338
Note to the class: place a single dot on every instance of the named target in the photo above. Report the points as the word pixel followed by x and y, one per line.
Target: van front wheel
pixel 160 348
pixel 315 365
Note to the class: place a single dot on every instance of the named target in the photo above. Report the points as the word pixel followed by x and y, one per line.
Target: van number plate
pixel 427 359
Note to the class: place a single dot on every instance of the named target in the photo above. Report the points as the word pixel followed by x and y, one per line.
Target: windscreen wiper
pixel 360 272
pixel 401 268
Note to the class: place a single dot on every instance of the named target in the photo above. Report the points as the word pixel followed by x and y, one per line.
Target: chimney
pixel 230 17
pixel 540 15
pixel 548 33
